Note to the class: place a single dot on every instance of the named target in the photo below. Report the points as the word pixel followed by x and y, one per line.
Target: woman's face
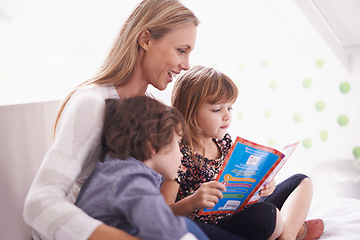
pixel 164 58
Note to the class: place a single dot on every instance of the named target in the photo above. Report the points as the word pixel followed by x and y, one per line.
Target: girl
pixel 152 47
pixel 205 97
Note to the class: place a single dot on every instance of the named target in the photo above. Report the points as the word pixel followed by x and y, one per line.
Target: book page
pixel 287 151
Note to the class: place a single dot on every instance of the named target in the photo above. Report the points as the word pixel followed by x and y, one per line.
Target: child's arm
pixel 268 189
pixel 136 198
pixel 206 196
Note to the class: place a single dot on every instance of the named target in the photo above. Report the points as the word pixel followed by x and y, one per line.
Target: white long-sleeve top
pixel 49 206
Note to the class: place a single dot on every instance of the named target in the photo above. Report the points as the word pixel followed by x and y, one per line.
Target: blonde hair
pixel 159 17
pixel 196 86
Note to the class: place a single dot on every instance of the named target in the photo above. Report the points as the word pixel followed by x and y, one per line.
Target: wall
pixel 292 87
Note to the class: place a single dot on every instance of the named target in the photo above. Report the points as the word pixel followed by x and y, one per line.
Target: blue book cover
pixel 245 170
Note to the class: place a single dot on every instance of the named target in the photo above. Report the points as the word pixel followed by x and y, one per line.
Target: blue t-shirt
pixel 126 194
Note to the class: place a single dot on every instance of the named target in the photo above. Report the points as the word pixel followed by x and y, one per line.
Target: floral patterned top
pixel 191 176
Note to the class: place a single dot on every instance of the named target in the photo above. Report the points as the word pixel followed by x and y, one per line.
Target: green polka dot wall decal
pixel 320 63
pixel 343 120
pixel 240 66
pixel 267 114
pixel 344 87
pixel 307 83
pixel 240 115
pixel 320 106
pixel 356 152
pixel 324 135
pixel 271 142
pixel 297 117
pixel 264 64
pixel 273 85
pixel 307 143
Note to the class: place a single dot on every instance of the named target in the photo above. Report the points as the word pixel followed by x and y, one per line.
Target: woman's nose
pixel 185 64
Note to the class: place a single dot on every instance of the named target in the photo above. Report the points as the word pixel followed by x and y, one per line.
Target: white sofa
pixel 25 136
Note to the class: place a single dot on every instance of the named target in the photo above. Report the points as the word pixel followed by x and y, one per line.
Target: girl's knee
pixel 301 179
pixel 256 221
pixel 269 221
pixel 278 226
pixel 306 182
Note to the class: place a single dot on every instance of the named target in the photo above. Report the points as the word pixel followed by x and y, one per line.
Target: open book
pixel 247 168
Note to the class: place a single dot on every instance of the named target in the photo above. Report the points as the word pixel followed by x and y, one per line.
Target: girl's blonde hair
pixel 159 17
pixel 196 86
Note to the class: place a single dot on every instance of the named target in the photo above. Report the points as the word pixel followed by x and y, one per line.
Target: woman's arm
pixel 110 233
pixel 69 160
pixel 206 196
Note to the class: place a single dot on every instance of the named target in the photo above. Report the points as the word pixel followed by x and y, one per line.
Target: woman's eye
pixel 216 110
pixel 181 51
pixel 230 109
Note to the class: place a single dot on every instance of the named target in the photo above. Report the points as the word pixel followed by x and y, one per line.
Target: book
pixel 246 169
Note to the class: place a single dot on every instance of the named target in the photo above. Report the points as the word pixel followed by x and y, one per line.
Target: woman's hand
pixel 207 195
pixel 268 189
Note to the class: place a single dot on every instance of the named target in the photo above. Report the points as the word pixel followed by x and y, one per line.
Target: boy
pixel 140 143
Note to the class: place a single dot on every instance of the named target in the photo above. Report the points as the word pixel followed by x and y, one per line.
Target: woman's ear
pixel 144 39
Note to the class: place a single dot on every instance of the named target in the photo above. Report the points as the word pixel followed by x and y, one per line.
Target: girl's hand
pixel 268 189
pixel 207 195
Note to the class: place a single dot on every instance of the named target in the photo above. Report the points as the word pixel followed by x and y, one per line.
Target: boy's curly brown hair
pixel 135 126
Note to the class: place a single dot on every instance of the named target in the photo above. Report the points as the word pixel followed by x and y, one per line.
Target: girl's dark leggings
pixel 256 221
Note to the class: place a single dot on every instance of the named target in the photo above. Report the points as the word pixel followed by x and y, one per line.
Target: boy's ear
pixel 151 148
pixel 144 39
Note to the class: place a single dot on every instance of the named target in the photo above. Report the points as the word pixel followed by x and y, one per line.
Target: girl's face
pixel 167 161
pixel 166 57
pixel 214 119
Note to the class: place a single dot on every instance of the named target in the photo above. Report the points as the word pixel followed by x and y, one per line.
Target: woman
pixel 152 47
